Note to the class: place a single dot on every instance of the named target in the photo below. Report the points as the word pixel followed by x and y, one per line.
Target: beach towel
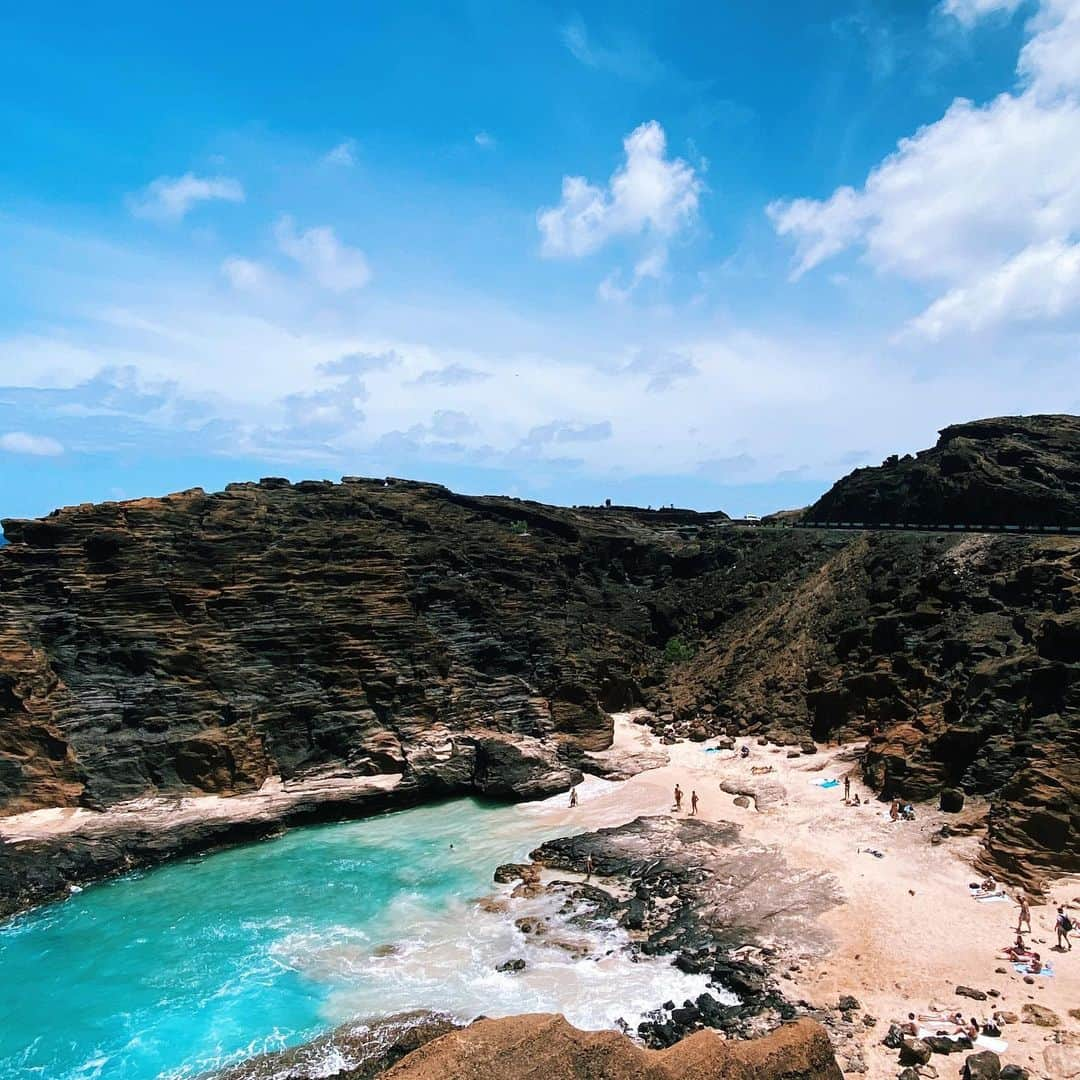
pixel 993 898
pixel 983 1042
pixel 826 783
pixel 1021 968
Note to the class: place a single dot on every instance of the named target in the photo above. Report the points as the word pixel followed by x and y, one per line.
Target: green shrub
pixel 676 651
pixel 519 528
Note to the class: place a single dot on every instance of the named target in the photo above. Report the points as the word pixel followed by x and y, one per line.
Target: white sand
pixel 909 932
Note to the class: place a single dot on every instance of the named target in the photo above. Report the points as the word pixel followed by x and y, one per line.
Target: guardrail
pixel 888 526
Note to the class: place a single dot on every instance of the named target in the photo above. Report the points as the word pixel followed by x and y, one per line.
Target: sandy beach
pixel 908 931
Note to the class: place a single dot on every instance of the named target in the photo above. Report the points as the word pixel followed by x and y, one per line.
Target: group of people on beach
pixel 1019 953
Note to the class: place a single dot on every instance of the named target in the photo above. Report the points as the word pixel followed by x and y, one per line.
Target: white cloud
pixel 1050 61
pixel 650 266
pixel 342 154
pixel 243 274
pixel 327 261
pixel 482 138
pixel 22 442
pixel 966 200
pixel 969 12
pixel 624 57
pixel 648 193
pixel 1041 283
pixel 170 198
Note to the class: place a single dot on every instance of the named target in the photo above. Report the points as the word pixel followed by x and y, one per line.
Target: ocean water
pixel 204 962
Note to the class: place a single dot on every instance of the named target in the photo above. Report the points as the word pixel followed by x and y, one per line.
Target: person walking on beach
pixel 573 797
pixel 1063 926
pixel 693 803
pixel 588 867
pixel 1025 914
pixel 847 789
pixel 678 797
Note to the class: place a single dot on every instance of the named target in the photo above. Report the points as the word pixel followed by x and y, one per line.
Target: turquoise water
pixel 204 962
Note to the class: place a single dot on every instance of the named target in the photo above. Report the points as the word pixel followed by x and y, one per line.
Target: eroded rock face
pixel 546 1045
pixel 953 656
pixel 203 643
pixel 1012 470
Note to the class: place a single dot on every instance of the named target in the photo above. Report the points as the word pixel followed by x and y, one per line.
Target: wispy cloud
pixel 451 375
pixel 244 274
pixel 22 442
pixel 344 154
pixel 171 198
pixel 324 258
pixel 482 138
pixel 623 56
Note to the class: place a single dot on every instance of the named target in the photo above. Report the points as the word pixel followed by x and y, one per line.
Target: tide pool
pixel 201 963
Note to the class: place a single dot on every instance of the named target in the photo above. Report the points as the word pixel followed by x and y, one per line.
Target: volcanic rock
pixel 546 1045
pixel 1012 470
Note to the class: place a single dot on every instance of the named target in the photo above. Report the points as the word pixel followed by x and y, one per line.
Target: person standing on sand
pixel 588 867
pixel 573 797
pixel 678 797
pixel 847 789
pixel 1063 926
pixel 1025 914
pixel 693 803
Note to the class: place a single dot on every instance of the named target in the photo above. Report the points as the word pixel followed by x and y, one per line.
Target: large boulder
pixel 984 1065
pixel 520 1047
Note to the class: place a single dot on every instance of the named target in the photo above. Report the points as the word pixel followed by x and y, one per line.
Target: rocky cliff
pixel 202 643
pixel 1012 470
pixel 957 658
pixel 328 634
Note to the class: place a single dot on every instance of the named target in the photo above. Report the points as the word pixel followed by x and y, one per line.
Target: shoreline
pixel 904 935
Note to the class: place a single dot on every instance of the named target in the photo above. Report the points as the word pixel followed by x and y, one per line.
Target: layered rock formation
pixel 955 657
pixel 327 633
pixel 1012 470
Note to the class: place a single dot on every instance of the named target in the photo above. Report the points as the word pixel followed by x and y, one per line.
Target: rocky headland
pixel 1009 470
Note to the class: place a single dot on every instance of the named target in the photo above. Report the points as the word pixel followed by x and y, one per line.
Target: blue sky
pixel 710 254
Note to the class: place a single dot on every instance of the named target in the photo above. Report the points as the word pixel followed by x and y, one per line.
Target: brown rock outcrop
pixel 545 1045
pixel 1010 470
pixel 953 656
